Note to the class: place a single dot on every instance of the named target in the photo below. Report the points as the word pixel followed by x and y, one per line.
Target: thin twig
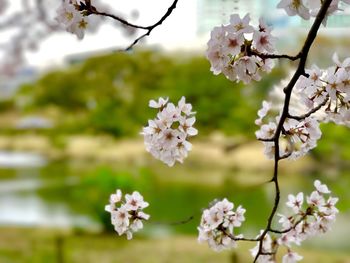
pixel 119 19
pixel 148 29
pixel 290 228
pixel 241 238
pixel 308 114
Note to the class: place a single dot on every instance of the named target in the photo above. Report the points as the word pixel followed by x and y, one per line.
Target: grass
pixel 32 245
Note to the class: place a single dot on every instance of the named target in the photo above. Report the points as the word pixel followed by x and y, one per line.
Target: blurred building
pixel 212 13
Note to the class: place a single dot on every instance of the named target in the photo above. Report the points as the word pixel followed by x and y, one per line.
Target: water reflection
pixel 64 194
pixel 20 203
pixel 21 159
pixel 31 210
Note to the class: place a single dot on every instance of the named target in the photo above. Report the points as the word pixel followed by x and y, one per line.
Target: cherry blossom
pixel 297 139
pixel 295 202
pixel 308 8
pixel 234 52
pixel 295 7
pixel 127 216
pixel 310 218
pixel 75 20
pixel 329 87
pixel 307 219
pixel 291 257
pixel 166 137
pixel 268 246
pixel 266 107
pixel 218 223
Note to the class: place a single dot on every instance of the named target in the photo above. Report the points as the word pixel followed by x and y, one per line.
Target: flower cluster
pixel 315 217
pixel 309 218
pixel 75 20
pixel 218 223
pixel 234 49
pixel 297 138
pixel 308 8
pixel 166 136
pixel 331 88
pixel 127 216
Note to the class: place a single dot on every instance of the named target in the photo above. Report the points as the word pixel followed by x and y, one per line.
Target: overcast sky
pixel 179 30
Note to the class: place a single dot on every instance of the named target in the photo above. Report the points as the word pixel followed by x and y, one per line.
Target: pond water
pixel 72 194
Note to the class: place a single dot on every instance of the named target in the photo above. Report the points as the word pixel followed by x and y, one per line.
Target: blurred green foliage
pixel 172 202
pixel 110 93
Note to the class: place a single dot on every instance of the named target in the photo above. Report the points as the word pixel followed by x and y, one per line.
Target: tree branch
pixel 291 228
pixel 275 56
pixel 285 113
pixel 148 29
pixel 308 114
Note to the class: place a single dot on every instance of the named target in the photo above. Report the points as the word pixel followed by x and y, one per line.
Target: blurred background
pixel 70 117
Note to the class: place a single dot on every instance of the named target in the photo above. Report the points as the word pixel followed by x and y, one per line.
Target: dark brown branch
pixel 119 19
pixel 285 156
pixel 308 114
pixel 285 113
pixel 275 56
pixel 266 139
pixel 148 29
pixel 291 228
pixel 242 238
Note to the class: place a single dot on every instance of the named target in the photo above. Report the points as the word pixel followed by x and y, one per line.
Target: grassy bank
pixel 19 245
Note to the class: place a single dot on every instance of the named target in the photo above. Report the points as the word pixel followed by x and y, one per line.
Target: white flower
pixel 266 107
pixel 263 41
pixel 127 218
pixel 315 199
pixel 135 201
pixel 67 14
pixel 217 225
pixel 184 107
pixel 217 57
pixel 232 44
pixel 329 87
pixel 114 198
pixel 158 104
pixel 315 218
pixel 332 84
pixel 297 139
pixel 229 45
pixel 120 218
pixel 315 6
pixel 285 221
pixel 73 20
pixel 291 257
pixel 166 137
pixel 287 239
pixel 267 247
pixel 345 64
pixel 295 202
pixel 239 25
pixel 294 7
pixel 186 126
pixel 321 188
